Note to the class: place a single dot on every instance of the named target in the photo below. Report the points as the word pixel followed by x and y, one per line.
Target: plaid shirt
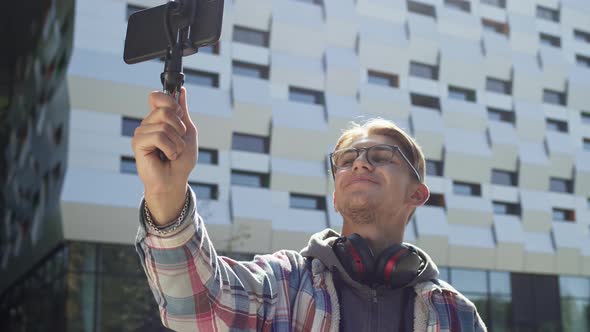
pixel 197 290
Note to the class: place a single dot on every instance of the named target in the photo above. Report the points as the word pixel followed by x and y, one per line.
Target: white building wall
pixel 330 48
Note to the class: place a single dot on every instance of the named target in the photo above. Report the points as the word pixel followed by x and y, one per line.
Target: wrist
pixel 164 208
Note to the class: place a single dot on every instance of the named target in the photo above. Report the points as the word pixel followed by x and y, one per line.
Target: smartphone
pixel 146 36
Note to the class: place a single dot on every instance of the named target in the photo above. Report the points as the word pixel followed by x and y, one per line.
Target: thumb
pixel 183 104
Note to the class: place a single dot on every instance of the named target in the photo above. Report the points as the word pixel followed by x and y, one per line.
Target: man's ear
pixel 420 195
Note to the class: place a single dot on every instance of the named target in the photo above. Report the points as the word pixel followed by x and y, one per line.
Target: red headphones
pixel 396 266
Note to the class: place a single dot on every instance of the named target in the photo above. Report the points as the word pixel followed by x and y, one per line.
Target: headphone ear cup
pixel 397 266
pixel 356 257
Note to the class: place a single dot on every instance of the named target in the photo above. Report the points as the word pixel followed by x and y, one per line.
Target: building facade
pixel 495 92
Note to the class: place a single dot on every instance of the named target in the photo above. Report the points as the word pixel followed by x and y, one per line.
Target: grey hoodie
pixel 363 308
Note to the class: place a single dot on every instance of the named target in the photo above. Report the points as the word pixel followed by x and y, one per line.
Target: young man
pixel 365 279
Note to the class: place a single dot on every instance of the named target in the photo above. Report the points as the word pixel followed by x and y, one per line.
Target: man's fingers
pixel 158 99
pixel 149 142
pixel 165 115
pixel 165 128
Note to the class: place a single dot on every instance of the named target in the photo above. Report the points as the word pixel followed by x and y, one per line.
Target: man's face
pixel 364 187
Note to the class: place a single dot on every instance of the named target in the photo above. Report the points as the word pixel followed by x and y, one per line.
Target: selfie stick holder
pixel 179 14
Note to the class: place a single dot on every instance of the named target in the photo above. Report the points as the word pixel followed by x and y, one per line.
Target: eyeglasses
pixel 376 155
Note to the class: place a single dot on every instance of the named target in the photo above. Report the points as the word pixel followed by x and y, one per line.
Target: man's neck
pixel 378 236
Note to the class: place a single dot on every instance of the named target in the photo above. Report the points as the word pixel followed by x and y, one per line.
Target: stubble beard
pixel 358 212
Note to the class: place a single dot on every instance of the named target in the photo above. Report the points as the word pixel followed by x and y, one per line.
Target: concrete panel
pixel 561 154
pixel 536 213
pixel 256 17
pixel 461 56
pixel 252 105
pixel 527 82
pixel 428 130
pixel 342 71
pixel 387 102
pixel 534 166
pixel 467 155
pixel 504 145
pixel 383 46
pixel 469 210
pixel 304 72
pixel 289 240
pixel 423 38
pixel 463 114
pixel 250 161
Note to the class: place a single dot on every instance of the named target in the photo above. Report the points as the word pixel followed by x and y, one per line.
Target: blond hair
pixel 379 126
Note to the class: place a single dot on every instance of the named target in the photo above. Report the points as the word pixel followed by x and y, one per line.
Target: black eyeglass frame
pixel 333 167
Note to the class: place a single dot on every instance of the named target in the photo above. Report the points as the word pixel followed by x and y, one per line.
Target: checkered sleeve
pixel 198 290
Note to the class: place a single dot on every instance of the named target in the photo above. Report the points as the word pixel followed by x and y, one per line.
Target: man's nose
pixel 362 161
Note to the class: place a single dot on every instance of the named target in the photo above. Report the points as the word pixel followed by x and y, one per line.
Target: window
pixel 553 97
pixel 586 144
pixel 496 3
pixel 563 215
pixel 249 179
pixel 308 202
pixel 128 165
pixel 210 49
pixel 208 156
pixel 461 93
pixel 458 5
pixel 496 114
pixel 561 185
pixel 385 79
pixel 425 101
pixel 198 77
pixel 556 125
pixel 250 143
pixel 128 126
pixel 423 70
pixel 549 40
pixel 506 208
pixel 585 117
pixel 499 86
pixel 434 167
pixel 575 303
pixel 505 178
pixel 582 36
pixel 205 190
pixel 436 200
pixel 494 26
pixel 306 96
pixel 250 70
pixel 421 8
pixel 132 9
pixel 314 2
pixel 250 36
pixel 582 61
pixel 548 13
pixel 466 189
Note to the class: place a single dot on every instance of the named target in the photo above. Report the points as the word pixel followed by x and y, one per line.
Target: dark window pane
pixel 128 165
pixel 249 179
pixel 128 126
pixel 425 101
pixel 81 256
pixel 306 96
pixel 204 190
pixel 496 114
pixel 493 26
pixel 250 36
pixel 500 283
pixel 314 2
pixel 575 314
pixel 299 201
pixel 81 301
pixel 556 125
pixel 550 40
pixel 548 13
pixel 119 259
pixel 500 313
pixel 553 97
pixel 250 143
pixel 385 79
pixel 466 189
pixel 198 77
pixel 469 281
pixel 563 215
pixel 210 49
pixel 586 144
pixel 249 70
pixel 582 36
pixel 585 116
pixel 499 86
pixel 561 185
pixel 421 8
pixel 459 5
pixel 208 156
pixel 436 200
pixel 582 61
pixel 497 3
pixel 434 167
pixel 461 94
pixel 505 178
pixel 506 208
pixel 423 70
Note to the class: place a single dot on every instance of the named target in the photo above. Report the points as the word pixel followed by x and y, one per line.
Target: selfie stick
pixel 172 77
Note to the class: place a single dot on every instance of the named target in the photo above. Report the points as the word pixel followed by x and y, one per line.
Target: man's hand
pixel 169 128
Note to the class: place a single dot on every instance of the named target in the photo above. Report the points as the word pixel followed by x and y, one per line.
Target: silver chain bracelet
pixel 160 231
